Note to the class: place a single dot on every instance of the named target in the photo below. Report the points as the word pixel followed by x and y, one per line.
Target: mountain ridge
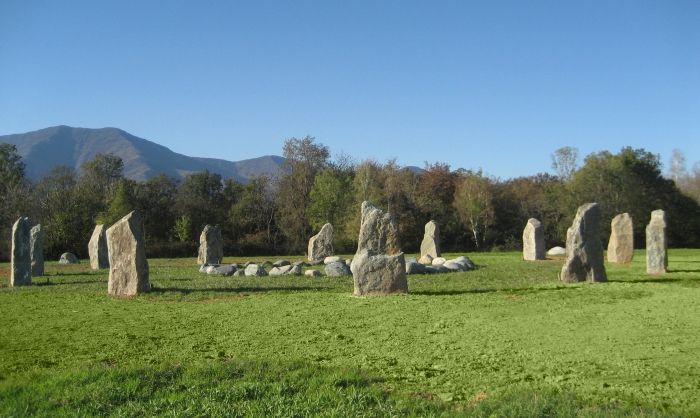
pixel 43 149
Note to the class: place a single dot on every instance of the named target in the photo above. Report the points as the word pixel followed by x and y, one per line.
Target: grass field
pixel 507 339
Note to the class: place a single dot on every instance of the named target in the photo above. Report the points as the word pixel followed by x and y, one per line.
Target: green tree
pixel 565 162
pixel 183 228
pixel 200 197
pixel 253 217
pixel 14 194
pixel 474 204
pixel 304 158
pixel 155 199
pixel 120 205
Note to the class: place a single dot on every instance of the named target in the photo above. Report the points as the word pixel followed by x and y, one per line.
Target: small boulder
pixel 295 270
pixel 239 273
pixel 438 261
pixel 426 259
pixel 332 259
pixel 255 270
pixel 453 266
pixel 414 267
pixel 223 270
pixel 279 271
pixel 203 268
pixel 280 263
pixel 337 269
pixel 68 258
pixel 313 273
pixel 557 251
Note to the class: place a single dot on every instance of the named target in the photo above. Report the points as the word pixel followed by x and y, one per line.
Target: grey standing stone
pixel 379 274
pixel 657 243
pixel 128 266
pixel 321 244
pixel 211 246
pixel 21 257
pixel 378 267
pixel 533 241
pixel 621 244
pixel 431 240
pixel 37 250
pixel 584 250
pixel 68 258
pixel 378 231
pixel 97 248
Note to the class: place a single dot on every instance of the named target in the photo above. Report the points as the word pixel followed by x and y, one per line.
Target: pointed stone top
pixel 534 222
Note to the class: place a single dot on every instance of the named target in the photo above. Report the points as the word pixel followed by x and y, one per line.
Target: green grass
pixel 507 339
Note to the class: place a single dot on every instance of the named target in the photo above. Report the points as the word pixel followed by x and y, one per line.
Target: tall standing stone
pixel 584 251
pixel 321 244
pixel 21 258
pixel 37 250
pixel 621 244
pixel 211 246
pixel 97 248
pixel 128 266
pixel 431 241
pixel 533 240
pixel 378 267
pixel 657 243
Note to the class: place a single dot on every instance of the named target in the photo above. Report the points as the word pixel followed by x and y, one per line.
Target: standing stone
pixel 211 246
pixel 97 248
pixel 21 259
pixel 128 266
pixel 621 244
pixel 378 231
pixel 430 246
pixel 657 243
pixel 533 240
pixel 321 244
pixel 378 267
pixel 584 251
pixel 37 250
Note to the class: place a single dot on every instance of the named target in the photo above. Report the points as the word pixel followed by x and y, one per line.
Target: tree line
pixel 278 215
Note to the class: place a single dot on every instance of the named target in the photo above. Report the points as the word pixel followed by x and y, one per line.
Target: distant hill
pixel 44 149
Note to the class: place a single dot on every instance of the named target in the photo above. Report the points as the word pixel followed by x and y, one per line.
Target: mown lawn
pixel 507 339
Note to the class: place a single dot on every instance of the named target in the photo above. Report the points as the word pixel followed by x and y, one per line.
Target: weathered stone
pixel 313 273
pixel 337 269
pixel 431 270
pixel 68 258
pixel 454 266
pixel 279 271
pixel 294 271
pixel 348 262
pixel 621 244
pixel 378 232
pixel 128 266
pixel 556 251
pixel 280 263
pixel 332 259
pixel 211 246
pixel 321 244
pixel 203 268
pixel 37 250
pixel 438 261
pixel 21 258
pixel 255 270
pixel 222 270
pixel 414 267
pixel 584 250
pixel 466 261
pixel 379 274
pixel 533 240
pixel 657 243
pixel 97 248
pixel 239 273
pixel 426 259
pixel 431 240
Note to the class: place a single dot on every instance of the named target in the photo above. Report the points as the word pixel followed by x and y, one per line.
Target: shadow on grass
pixel 684 271
pixel 455 292
pixel 187 291
pixel 667 280
pixel 48 282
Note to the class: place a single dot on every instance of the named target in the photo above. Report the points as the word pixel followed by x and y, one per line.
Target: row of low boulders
pixel 439 265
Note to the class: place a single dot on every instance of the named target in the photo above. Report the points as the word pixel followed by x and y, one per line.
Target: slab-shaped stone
pixel 97 248
pixel 378 231
pixel 657 243
pixel 37 250
pixel 21 257
pixel 621 243
pixel 379 274
pixel 533 240
pixel 431 240
pixel 211 246
pixel 321 244
pixel 584 251
pixel 128 266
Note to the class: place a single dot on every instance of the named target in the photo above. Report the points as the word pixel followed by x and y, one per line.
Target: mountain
pixel 44 149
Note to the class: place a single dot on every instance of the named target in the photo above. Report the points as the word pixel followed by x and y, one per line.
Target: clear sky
pixel 492 84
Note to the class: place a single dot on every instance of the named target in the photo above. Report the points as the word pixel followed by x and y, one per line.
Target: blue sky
pixel 495 84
